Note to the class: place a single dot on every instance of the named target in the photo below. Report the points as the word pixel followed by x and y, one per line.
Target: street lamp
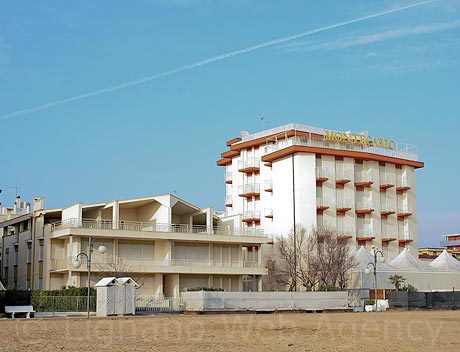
pixel 77 263
pixel 374 265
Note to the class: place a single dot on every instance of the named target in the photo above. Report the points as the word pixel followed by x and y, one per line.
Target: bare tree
pixel 322 258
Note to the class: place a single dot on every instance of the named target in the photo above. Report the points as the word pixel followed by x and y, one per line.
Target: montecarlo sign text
pixel 359 138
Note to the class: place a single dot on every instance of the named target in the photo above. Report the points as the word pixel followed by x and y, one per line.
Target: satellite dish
pixel 244 133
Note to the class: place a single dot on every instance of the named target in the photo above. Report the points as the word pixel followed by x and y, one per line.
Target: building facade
pixel 166 244
pixel 451 242
pixel 295 174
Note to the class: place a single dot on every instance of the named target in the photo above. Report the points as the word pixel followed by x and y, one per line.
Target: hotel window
pixel 7 256
pixel 41 251
pixel 29 252
pixel 16 255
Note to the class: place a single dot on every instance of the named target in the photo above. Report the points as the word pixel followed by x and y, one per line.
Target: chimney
pixel 38 204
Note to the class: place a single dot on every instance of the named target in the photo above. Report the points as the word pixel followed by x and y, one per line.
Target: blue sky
pixel 395 75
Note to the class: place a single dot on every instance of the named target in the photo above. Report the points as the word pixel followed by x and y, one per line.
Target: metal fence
pixel 425 300
pixel 162 304
pixel 62 303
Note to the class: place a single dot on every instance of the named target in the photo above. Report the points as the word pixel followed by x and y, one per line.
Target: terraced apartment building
pixel 361 185
pixel 165 243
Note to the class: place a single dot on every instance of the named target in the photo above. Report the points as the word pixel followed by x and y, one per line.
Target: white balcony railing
pixel 365 205
pixel 322 172
pixel 404 209
pixel 268 212
pixel 250 163
pixel 249 189
pixel 387 179
pixel 387 206
pixel 403 182
pixel 343 175
pixel 148 265
pixel 228 201
pixel 251 214
pixel 154 227
pixel 323 202
pixel 268 185
pixel 365 176
pixel 344 204
pixel 228 177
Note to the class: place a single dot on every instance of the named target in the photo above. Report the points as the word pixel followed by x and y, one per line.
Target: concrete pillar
pixel 171 288
pixel 115 215
pixel 259 283
pixel 158 290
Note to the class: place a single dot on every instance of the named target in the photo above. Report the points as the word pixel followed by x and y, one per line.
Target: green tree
pixel 397 280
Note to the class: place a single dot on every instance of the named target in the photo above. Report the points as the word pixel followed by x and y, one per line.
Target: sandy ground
pixel 388 331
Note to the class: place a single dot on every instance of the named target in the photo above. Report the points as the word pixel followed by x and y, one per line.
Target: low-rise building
pixel 167 244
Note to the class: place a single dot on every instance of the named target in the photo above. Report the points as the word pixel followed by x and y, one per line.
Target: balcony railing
pixel 365 205
pixel 323 202
pixel 251 215
pixel 344 204
pixel 249 165
pixel 450 243
pixel 250 189
pixel 388 207
pixel 343 175
pixel 228 201
pixel 268 185
pixel 268 212
pixel 387 179
pixel 364 177
pixel 148 265
pixel 228 177
pixel 322 173
pixel 154 227
pixel 404 209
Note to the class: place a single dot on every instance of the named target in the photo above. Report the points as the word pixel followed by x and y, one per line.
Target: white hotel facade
pixel 363 186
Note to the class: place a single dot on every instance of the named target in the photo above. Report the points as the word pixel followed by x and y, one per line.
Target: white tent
pixel 364 257
pixel 445 262
pixel 107 296
pixel 406 261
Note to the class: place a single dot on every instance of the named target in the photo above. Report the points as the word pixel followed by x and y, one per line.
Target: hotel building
pixel 451 242
pixel 165 243
pixel 361 185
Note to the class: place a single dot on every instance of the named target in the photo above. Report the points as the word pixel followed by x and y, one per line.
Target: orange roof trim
pixel 347 153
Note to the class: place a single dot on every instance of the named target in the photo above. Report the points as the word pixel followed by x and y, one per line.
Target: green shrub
pixel 369 302
pixel 327 288
pixel 204 289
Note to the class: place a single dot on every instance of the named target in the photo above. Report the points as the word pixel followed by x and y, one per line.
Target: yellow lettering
pixel 329 136
pixel 392 145
pixel 380 142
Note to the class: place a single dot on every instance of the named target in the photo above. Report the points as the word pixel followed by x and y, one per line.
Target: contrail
pixel 204 62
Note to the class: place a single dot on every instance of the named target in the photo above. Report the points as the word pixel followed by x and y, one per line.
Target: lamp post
pixel 374 265
pixel 77 263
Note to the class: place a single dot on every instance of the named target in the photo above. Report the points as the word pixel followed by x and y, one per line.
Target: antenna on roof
pixel 17 188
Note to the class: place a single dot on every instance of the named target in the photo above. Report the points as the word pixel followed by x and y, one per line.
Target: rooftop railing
pixel 401 151
pixel 102 224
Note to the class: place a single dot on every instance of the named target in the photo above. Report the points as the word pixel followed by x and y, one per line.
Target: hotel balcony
pixel 251 216
pixel 228 178
pixel 363 179
pixel 268 213
pixel 404 212
pixel 364 207
pixel 322 175
pixel 342 178
pixel 387 208
pixel 389 236
pixel 345 234
pixel 322 204
pixel 268 186
pixel 249 165
pixel 343 205
pixel 387 181
pixel 161 266
pixel 365 235
pixel 151 231
pixel 249 190
pixel 228 201
pixel 402 185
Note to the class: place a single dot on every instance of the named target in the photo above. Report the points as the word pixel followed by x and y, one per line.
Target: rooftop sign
pixel 359 138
